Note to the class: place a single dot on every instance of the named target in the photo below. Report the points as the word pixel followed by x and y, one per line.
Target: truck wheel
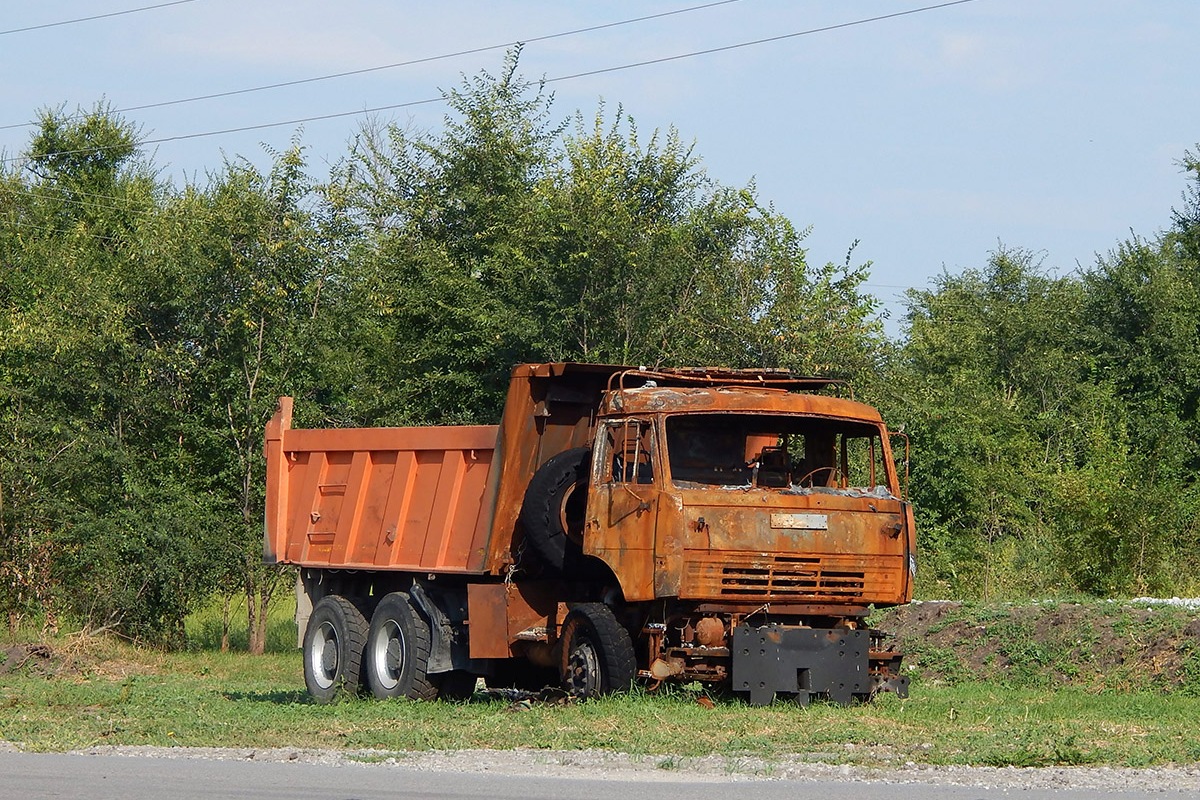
pixel 555 507
pixel 397 651
pixel 597 652
pixel 333 648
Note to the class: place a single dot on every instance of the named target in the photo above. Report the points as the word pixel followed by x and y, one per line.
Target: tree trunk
pixel 260 585
pixel 226 613
pixel 253 619
pixel 260 637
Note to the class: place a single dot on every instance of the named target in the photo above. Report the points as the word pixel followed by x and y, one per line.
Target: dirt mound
pixel 37 658
pixel 1098 645
pixel 78 656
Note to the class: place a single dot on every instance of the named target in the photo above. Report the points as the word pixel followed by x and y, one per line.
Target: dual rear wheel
pixel 333 648
pixel 389 657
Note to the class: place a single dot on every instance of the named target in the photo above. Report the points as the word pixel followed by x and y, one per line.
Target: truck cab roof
pixel 640 390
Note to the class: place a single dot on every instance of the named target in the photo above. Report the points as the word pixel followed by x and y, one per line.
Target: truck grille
pixel 755 575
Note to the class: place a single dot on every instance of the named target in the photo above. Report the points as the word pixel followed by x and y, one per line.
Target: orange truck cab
pixel 733 527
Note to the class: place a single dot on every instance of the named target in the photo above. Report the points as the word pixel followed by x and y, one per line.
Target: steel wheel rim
pixel 323 655
pixel 387 655
pixel 583 668
pixel 572 513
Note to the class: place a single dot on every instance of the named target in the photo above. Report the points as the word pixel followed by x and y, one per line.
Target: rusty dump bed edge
pixel 378 498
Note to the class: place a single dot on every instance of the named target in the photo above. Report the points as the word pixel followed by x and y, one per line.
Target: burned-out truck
pixel 732 527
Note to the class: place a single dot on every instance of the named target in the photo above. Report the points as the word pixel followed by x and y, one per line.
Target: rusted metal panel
pixel 731 400
pixel 501 614
pixel 841 549
pixel 487 620
pixel 550 408
pixel 623 535
pixel 800 577
pixel 624 498
pixel 383 498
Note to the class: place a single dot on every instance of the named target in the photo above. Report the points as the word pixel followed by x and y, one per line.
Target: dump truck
pixel 620 524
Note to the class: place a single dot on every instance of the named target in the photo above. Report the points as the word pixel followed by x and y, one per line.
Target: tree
pixel 104 532
pixel 503 239
pixel 253 322
pixel 1055 421
pixel 1143 324
pixel 996 392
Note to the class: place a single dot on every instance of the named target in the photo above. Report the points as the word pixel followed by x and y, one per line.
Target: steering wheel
pixel 833 474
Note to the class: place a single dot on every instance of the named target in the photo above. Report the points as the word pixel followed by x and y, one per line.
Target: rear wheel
pixel 333 648
pixel 597 652
pixel 397 652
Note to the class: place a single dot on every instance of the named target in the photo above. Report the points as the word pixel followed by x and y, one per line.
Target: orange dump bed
pixel 379 498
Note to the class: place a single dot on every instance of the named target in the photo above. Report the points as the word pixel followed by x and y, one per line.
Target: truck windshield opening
pixel 794 453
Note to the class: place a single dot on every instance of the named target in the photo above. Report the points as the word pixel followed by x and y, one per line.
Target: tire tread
pixel 421 685
pixel 351 625
pixel 618 664
pixel 539 516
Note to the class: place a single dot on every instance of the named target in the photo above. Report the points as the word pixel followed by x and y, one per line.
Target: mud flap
pixel 800 663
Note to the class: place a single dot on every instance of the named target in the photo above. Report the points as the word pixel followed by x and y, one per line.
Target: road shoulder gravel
pixel 607 765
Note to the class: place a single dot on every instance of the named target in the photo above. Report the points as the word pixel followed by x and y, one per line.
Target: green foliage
pixel 503 239
pixel 1057 423
pixel 85 505
pixel 208 629
pixel 661 266
pixel 147 329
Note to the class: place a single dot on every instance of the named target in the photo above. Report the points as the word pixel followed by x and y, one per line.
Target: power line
pixel 755 42
pixel 84 200
pixel 93 17
pixel 68 232
pixel 425 60
pixel 560 78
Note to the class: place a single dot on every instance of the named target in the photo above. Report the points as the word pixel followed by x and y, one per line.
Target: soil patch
pixel 71 657
pixel 36 658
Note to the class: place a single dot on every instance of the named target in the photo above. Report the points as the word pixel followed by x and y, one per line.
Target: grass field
pixel 117 694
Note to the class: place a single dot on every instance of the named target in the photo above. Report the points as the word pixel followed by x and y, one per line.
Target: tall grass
pixel 204 629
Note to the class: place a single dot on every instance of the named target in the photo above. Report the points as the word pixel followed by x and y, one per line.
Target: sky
pixel 930 138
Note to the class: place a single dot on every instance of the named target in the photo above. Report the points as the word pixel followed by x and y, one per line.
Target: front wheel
pixel 333 648
pixel 597 656
pixel 397 653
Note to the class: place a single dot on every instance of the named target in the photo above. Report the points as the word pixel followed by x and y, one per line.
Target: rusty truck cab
pixel 737 510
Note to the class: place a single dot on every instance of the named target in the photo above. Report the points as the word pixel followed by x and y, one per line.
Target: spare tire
pixel 555 507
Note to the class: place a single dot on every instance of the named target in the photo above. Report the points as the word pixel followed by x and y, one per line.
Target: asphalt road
pixel 33 776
